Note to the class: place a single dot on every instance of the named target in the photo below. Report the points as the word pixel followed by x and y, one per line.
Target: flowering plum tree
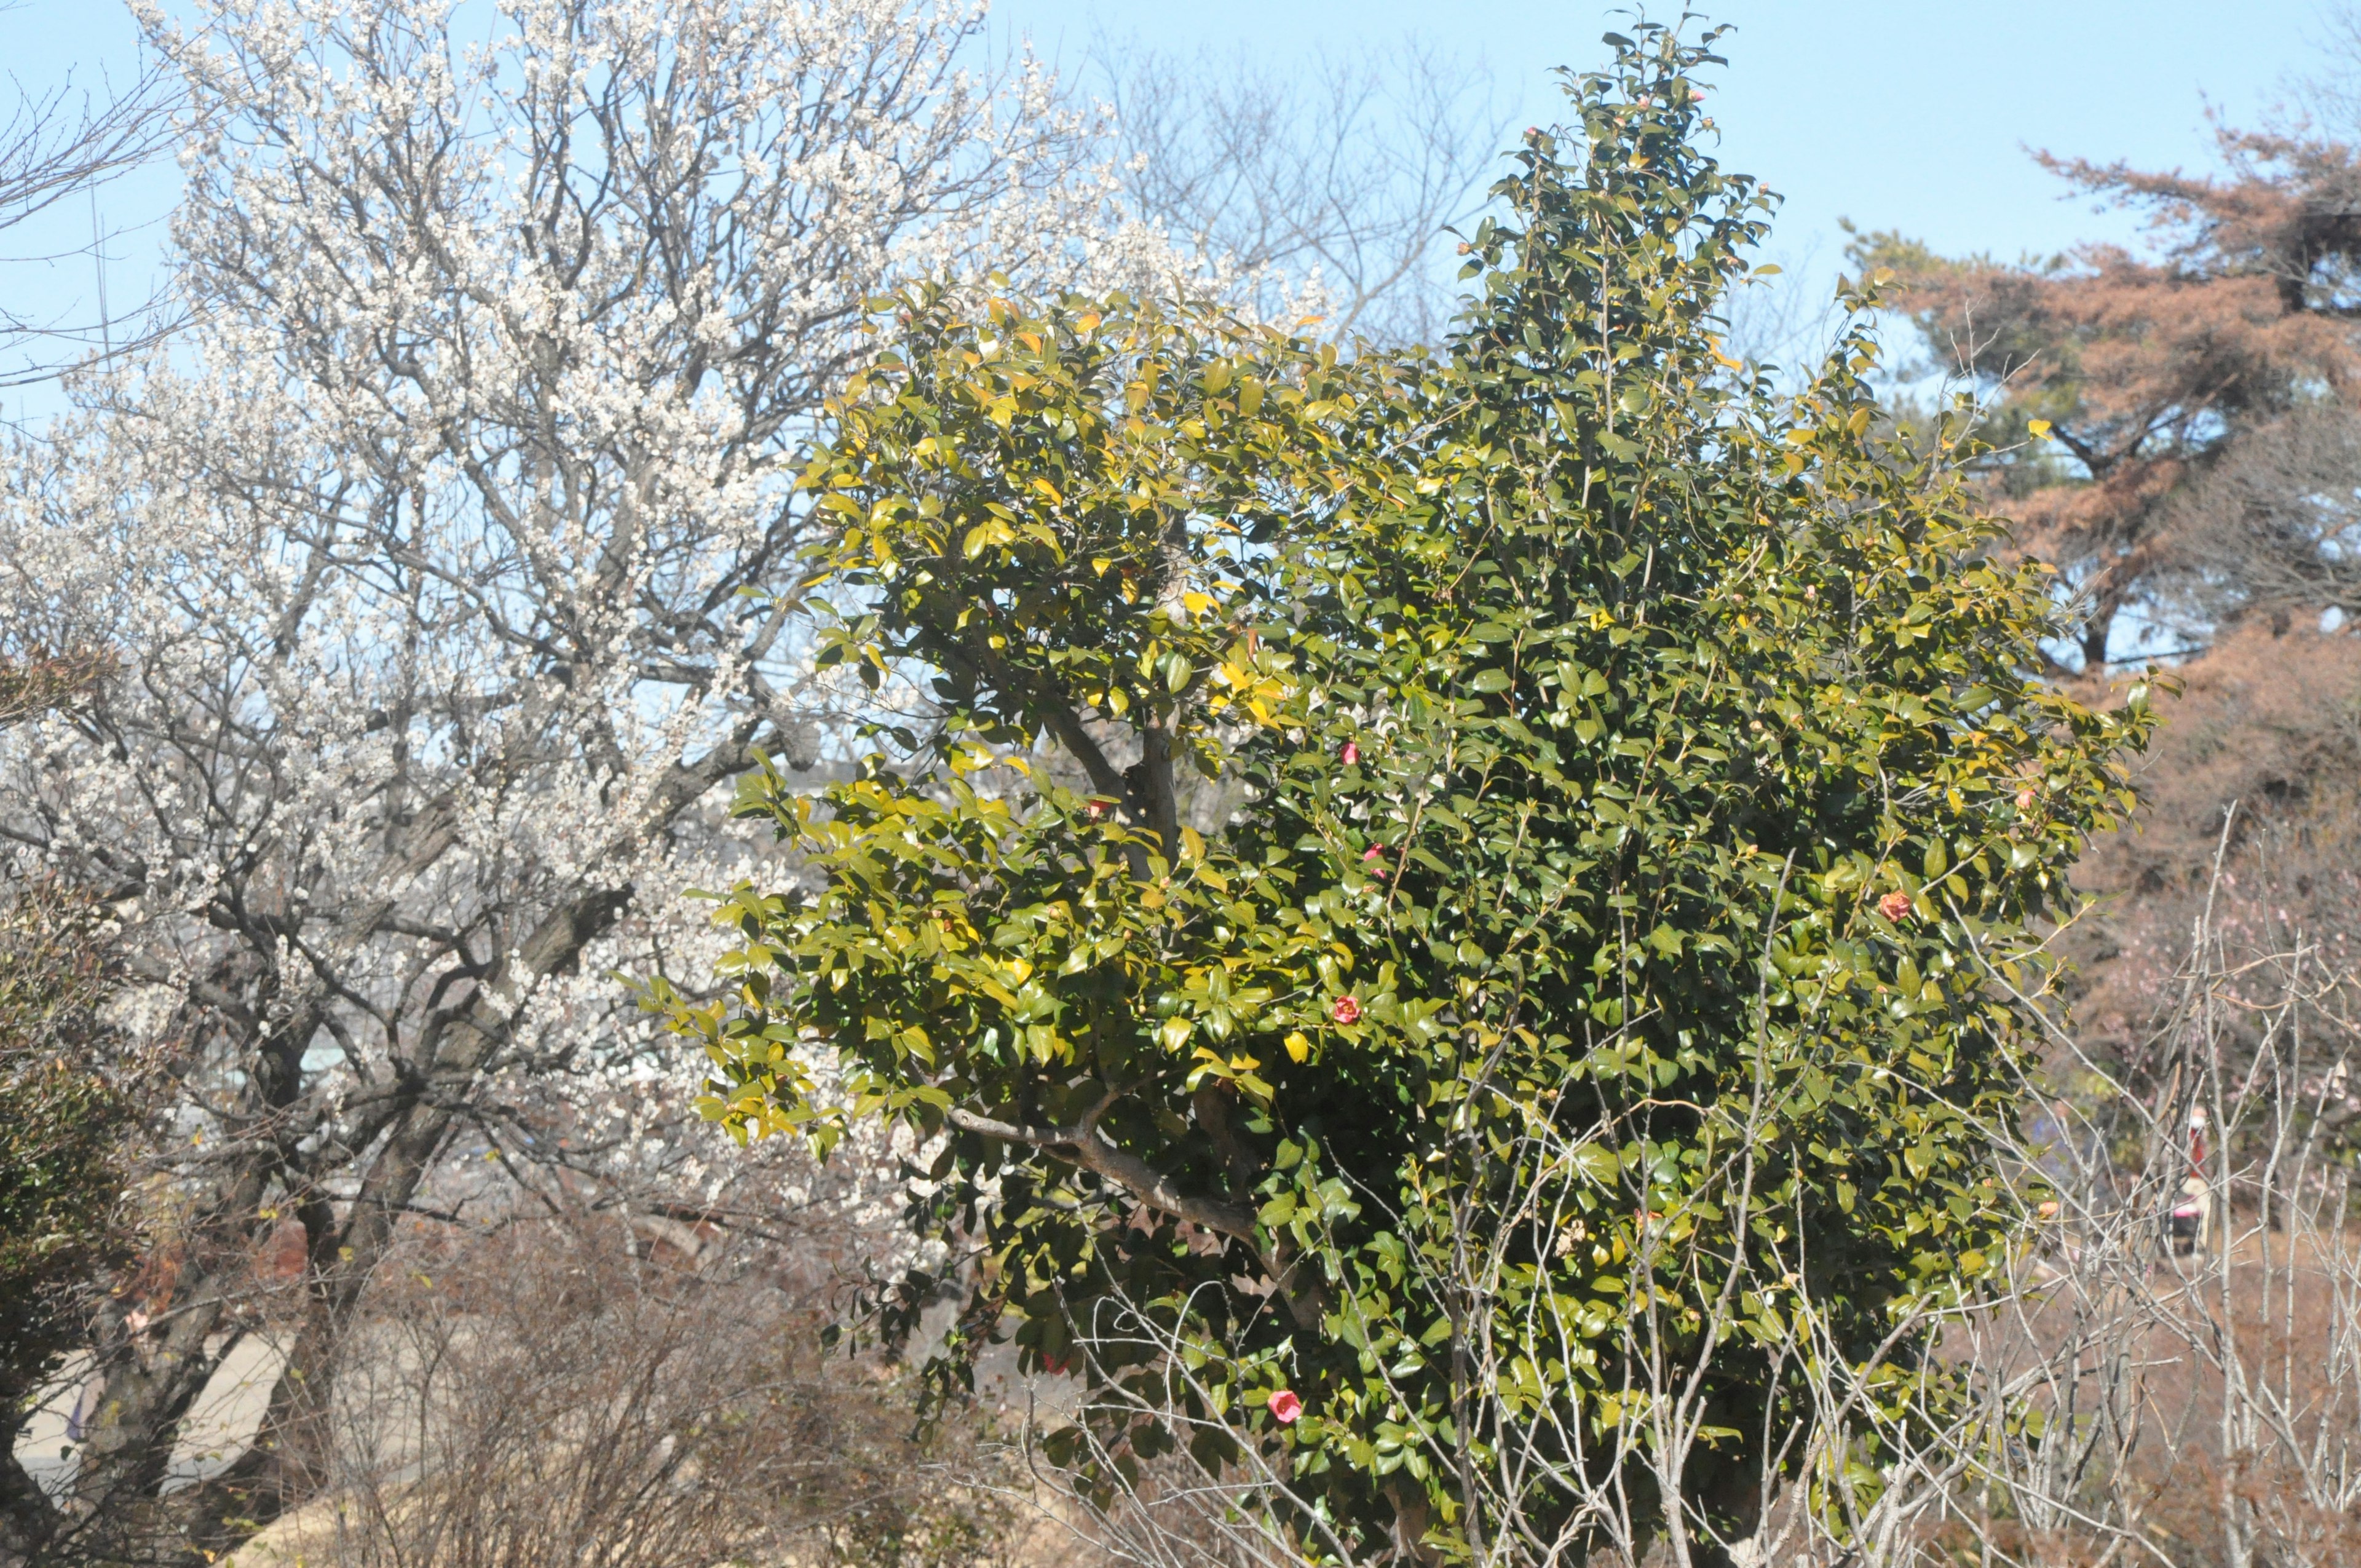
pixel 424 554
pixel 1544 1107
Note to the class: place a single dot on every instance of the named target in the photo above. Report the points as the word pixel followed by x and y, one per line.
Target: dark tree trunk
pixel 2097 632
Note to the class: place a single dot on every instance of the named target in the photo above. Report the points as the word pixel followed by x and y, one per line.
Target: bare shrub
pixel 2189 1324
pixel 565 1392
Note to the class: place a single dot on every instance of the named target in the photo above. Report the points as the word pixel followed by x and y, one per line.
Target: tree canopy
pixel 1615 783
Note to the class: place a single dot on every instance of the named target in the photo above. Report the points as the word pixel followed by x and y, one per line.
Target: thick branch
pixel 1082 1147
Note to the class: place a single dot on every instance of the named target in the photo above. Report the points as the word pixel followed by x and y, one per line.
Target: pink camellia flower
pixel 1285 1405
pixel 1345 1010
pixel 1893 905
pixel 1374 852
pixel 1349 755
pixel 2025 798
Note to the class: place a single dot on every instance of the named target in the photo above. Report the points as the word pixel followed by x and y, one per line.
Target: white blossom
pixel 451 565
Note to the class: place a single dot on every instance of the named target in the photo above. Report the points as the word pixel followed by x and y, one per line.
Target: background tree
pixel 2173 429
pixel 1340 180
pixel 1573 1056
pixel 63 144
pixel 2177 432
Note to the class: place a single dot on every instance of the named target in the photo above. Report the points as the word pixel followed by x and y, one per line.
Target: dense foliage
pixel 1623 777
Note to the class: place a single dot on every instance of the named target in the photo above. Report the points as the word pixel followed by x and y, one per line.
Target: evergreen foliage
pixel 1640 773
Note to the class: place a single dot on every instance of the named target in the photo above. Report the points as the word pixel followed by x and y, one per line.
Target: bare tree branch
pixel 1344 183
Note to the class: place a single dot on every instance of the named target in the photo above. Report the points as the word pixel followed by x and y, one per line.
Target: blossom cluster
pixel 449 558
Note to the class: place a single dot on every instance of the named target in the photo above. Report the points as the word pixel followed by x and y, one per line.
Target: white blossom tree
pixel 451 562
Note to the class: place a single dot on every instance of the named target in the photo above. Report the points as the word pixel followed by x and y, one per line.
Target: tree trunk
pixel 293 1453
pixel 156 1356
pixel 2097 632
pixel 27 1518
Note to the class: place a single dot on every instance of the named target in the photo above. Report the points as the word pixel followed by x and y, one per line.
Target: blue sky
pixel 1903 114
pixel 1906 113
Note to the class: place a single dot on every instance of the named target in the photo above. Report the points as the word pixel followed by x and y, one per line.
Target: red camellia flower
pixel 1349 755
pixel 1893 905
pixel 1285 1405
pixel 1345 1010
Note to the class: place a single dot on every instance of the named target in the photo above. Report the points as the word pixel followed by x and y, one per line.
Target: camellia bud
pixel 1349 755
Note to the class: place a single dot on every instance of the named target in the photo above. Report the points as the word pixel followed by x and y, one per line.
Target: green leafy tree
pixel 1634 774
